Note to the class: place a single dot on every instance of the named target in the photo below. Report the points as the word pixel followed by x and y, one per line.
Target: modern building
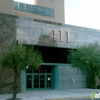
pixel 42 24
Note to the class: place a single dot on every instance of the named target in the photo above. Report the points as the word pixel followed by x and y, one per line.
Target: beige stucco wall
pixel 6 6
pixel 57 5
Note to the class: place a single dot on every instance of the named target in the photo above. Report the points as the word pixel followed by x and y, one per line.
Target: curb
pixel 70 98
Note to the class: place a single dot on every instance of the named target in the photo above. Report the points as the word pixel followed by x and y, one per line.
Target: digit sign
pixel 53 35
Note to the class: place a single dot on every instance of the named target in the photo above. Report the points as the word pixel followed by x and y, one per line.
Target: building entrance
pixel 39 79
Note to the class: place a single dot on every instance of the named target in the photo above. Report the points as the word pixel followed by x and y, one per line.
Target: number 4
pixel 54 35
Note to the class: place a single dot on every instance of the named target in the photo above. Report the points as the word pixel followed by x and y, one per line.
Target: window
pixel 34 9
pixel 16 5
pixel 21 6
pixel 46 11
pixel 39 10
pixel 28 8
pixel 51 12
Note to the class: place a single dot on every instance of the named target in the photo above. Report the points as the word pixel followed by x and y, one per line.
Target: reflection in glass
pixel 29 81
pixel 42 81
pixel 42 69
pixel 37 70
pixel 39 10
pixel 34 9
pixel 46 11
pixel 28 70
pixel 48 70
pixel 22 6
pixel 36 81
pixel 15 5
pixel 51 12
pixel 28 8
pixel 48 81
pixel 40 78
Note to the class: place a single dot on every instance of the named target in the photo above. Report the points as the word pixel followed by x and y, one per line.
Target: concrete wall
pixel 57 5
pixel 6 6
pixel 38 33
pixel 7 37
pixel 69 78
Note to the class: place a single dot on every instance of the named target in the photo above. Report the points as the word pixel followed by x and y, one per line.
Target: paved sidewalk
pixel 68 94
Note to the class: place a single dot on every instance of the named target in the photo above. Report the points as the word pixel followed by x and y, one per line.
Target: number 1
pixel 61 36
pixel 68 36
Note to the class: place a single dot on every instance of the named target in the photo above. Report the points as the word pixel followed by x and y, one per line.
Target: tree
pixel 17 58
pixel 86 58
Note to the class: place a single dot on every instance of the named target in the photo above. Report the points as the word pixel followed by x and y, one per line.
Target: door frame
pixel 39 81
pixel 54 77
pixel 32 78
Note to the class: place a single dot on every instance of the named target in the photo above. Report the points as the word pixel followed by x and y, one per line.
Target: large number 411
pixel 60 32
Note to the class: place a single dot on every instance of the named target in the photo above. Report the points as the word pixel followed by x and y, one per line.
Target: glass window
pixel 36 81
pixel 29 70
pixel 29 81
pixel 39 10
pixel 42 81
pixel 15 5
pixel 46 11
pixel 48 85
pixel 42 70
pixel 28 8
pixel 48 70
pixel 37 71
pixel 21 6
pixel 34 9
pixel 51 12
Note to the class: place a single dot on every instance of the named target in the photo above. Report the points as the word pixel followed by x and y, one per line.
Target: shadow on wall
pixel 7 31
pixel 7 37
pixel 93 81
pixel 45 40
pixel 6 80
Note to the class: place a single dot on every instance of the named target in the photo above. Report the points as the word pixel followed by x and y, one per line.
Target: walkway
pixel 68 94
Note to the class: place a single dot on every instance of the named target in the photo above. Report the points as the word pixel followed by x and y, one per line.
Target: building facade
pixel 44 10
pixel 42 25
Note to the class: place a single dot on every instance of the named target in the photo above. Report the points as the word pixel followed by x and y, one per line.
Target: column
pixel 55 77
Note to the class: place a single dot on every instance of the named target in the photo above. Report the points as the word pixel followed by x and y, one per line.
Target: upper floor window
pixel 16 6
pixel 28 8
pixel 21 6
pixel 34 9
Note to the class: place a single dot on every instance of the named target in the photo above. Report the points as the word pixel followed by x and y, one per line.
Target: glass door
pixel 36 81
pixel 39 81
pixel 29 81
pixel 42 81
pixel 42 78
pixel 48 81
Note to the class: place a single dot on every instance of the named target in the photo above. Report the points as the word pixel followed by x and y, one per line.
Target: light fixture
pixel 26 67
